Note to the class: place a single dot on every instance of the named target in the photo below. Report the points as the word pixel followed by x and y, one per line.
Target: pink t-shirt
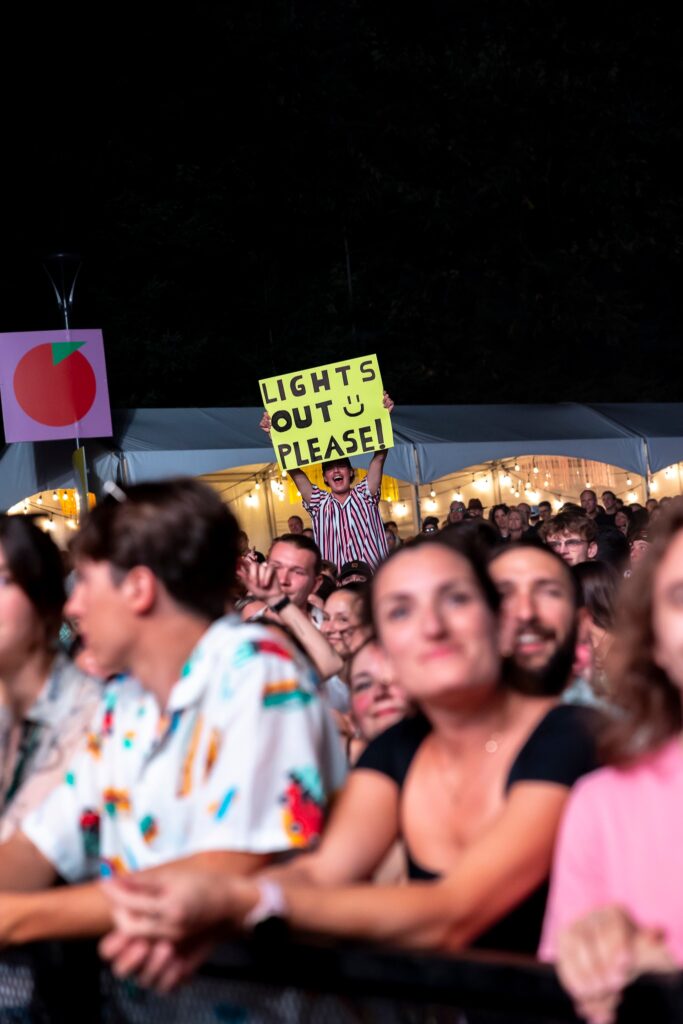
pixel 621 842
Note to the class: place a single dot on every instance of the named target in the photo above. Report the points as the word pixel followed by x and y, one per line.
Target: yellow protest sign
pixel 327 412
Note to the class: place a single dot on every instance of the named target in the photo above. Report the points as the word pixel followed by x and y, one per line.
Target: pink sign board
pixel 53 385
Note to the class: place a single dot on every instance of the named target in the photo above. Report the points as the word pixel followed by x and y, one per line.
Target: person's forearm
pixel 375 471
pixel 326 660
pixel 23 868
pixel 78 911
pixel 302 483
pixel 419 915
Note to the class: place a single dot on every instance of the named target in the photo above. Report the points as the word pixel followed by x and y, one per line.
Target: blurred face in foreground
pixel 100 605
pixel 538 609
pixel 376 700
pixel 667 612
pixel 435 626
pixel 22 632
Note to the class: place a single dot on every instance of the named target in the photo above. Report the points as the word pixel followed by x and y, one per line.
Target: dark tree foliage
pixel 486 194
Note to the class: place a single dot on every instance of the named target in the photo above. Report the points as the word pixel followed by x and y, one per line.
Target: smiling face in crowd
pixel 376 701
pixel 539 605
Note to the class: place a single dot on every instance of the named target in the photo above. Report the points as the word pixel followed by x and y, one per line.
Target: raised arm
pixel 376 467
pixel 303 484
pixel 261 581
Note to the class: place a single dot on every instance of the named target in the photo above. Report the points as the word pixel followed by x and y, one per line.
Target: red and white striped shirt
pixel 348 531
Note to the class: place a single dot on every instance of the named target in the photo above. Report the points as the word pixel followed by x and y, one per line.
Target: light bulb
pixel 628 481
pixel 516 467
pixel 535 469
pixel 432 493
pixel 257 486
pixel 40 499
pixel 54 496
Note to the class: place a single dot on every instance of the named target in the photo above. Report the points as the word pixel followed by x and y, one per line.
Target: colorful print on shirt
pixel 112 866
pixel 90 832
pixel 115 801
pixel 303 806
pixel 213 773
pixel 288 693
pixel 149 828
pixel 251 648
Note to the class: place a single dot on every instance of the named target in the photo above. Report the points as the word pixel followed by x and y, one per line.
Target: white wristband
pixel 271 903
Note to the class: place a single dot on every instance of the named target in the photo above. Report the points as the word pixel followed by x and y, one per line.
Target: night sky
pixel 487 195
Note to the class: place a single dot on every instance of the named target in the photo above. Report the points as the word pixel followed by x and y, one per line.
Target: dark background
pixel 488 195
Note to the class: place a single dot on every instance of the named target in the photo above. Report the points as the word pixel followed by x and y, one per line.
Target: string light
pixel 516 467
pixel 39 500
pixel 54 496
pixel 628 481
pixel 535 469
pixel 432 493
pixel 257 486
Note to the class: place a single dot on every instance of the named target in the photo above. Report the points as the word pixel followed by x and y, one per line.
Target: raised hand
pixel 387 402
pixel 260 579
pixel 265 423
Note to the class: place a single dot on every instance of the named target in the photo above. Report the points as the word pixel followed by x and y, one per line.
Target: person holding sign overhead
pixel 347 525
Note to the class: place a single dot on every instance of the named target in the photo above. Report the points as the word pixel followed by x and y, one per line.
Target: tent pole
pixel 495 474
pixel 272 521
pixel 648 473
pixel 416 493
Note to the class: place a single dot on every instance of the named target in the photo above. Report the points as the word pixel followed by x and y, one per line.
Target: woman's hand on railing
pixel 601 953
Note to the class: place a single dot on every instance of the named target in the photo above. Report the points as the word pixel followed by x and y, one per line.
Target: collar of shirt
pixel 197 672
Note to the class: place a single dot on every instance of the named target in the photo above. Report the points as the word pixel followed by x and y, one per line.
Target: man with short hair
pixel 545 512
pixel 591 509
pixel 297 563
pixel 609 503
pixel 214 750
pixel 295 524
pixel 346 520
pixel 573 536
pixel 539 625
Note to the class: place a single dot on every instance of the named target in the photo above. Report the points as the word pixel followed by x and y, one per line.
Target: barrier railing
pixel 276 979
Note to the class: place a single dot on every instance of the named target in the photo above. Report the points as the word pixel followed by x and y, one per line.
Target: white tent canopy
pixel 430 442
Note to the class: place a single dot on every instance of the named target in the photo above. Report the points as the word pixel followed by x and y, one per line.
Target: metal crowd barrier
pixel 278 980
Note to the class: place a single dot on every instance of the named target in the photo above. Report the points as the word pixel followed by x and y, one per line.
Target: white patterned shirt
pixel 243 758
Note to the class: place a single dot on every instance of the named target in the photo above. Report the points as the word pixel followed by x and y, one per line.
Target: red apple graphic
pixel 55 384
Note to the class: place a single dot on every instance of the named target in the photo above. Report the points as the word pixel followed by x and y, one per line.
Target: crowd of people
pixel 466 738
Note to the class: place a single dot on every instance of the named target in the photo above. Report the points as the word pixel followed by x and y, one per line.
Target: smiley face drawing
pixel 350 411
